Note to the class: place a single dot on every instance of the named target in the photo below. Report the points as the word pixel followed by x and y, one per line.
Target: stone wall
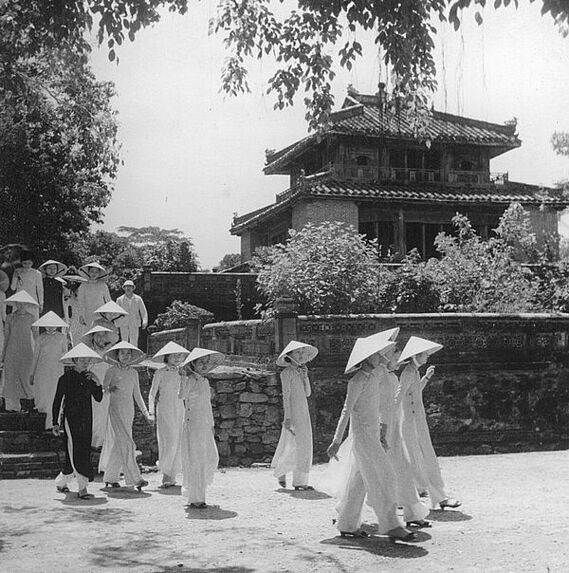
pixel 246 403
pixel 228 295
pixel 501 383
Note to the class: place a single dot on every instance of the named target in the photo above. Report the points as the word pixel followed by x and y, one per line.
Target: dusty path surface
pixel 515 518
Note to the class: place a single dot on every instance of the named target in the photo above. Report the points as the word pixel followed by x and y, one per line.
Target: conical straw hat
pixel 364 348
pixel 80 351
pixel 61 268
pixel 84 270
pixel 74 279
pixel 50 320
pixel 111 307
pixel 95 329
pixel 307 353
pixel 416 345
pixel 23 297
pixel 112 353
pixel 216 357
pixel 390 335
pixel 170 348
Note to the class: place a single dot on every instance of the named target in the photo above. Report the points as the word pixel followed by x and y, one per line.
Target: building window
pixel 362 160
pixel 384 232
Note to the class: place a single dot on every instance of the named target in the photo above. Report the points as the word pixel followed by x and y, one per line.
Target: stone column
pixel 285 323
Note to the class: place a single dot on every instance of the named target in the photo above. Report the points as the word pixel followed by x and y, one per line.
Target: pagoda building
pixel 368 169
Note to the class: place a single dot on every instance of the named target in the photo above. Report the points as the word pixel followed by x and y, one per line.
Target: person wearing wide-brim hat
pixel 49 347
pixel 122 384
pixel 99 339
pixel 371 474
pixel 390 417
pixel 294 450
pixel 91 294
pixel 109 315
pixel 71 303
pixel 29 279
pixel 137 315
pixel 199 451
pixel 53 287
pixel 18 352
pixel 416 435
pixel 76 389
pixel 163 402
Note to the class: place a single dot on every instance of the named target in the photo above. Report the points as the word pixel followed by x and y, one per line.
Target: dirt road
pixel 515 518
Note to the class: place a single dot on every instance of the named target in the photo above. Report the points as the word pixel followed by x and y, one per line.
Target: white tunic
pixel 30 280
pixel 417 438
pixel 371 473
pixel 46 371
pixel 90 296
pixel 294 450
pixel 163 400
pixel 199 451
pixel 391 414
pixel 137 314
pixel 100 409
pixel 119 449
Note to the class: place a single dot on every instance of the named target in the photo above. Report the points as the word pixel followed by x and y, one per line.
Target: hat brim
pixel 61 268
pixel 21 297
pixel 363 349
pixel 416 346
pixel 84 271
pixel 304 352
pixel 81 350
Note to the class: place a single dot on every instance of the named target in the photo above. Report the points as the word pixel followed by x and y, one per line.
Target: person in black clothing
pixel 53 287
pixel 75 389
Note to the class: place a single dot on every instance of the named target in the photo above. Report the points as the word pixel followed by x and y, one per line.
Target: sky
pixel 193 156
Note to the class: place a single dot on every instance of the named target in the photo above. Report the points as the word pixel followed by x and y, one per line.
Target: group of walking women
pixel 388 457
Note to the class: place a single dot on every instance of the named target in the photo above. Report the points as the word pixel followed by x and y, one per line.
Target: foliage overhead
pixel 300 35
pixel 229 261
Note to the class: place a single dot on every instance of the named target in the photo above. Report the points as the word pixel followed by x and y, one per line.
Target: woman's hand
pixel 430 372
pixel 332 450
pixel 56 430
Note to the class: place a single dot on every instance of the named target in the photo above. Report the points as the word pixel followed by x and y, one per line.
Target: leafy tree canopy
pixel 58 149
pixel 228 261
pixel 298 34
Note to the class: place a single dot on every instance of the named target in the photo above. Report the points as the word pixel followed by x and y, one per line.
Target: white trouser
pixel 130 334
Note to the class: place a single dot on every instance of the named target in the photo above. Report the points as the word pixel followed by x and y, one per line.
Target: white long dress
pixel 163 400
pixel 90 296
pixel 370 472
pixel 119 449
pixel 46 371
pixel 199 451
pixel 294 450
pixel 417 438
pixel 391 414
pixel 100 409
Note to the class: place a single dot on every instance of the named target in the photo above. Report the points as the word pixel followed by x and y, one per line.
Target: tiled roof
pixel 412 192
pixel 361 116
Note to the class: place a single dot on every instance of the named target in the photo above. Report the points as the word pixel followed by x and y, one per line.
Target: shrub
pixel 326 269
pixel 179 313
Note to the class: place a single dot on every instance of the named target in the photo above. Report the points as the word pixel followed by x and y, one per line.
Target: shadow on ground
pixel 380 546
pixel 448 515
pixel 213 512
pixel 309 495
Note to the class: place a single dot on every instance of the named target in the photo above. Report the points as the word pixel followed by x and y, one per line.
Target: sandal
pixel 140 484
pixel 303 488
pixel 401 534
pixel 62 489
pixel 420 523
pixel 83 494
pixel 166 485
pixel 360 534
pixel 200 505
pixel 114 484
pixel 449 502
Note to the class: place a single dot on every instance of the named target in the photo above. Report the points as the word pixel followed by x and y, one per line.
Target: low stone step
pixel 35 465
pixel 24 441
pixel 29 422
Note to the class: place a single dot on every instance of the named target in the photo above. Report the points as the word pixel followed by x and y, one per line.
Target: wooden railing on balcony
pixel 376 173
